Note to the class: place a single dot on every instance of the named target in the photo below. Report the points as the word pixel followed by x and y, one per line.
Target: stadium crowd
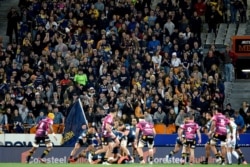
pixel 139 57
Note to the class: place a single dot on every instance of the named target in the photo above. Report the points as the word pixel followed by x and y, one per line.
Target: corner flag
pixel 73 124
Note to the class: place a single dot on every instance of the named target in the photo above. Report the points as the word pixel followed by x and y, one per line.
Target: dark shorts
pixel 147 139
pixel 189 143
pixel 219 137
pixel 88 142
pixel 178 141
pixel 106 140
pixel 42 139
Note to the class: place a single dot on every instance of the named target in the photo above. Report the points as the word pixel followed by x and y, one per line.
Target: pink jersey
pixel 190 129
pixel 43 127
pixel 221 123
pixel 146 128
pixel 108 120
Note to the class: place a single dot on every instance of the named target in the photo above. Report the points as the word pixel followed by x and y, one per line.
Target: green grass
pixel 113 165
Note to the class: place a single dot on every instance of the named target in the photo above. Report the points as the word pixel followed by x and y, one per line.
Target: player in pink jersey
pixel 42 130
pixel 190 129
pixel 218 132
pixel 145 134
pixel 108 138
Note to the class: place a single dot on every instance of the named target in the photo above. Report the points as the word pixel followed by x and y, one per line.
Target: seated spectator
pixel 3 122
pixel 159 116
pixel 40 117
pixel 229 110
pixel 18 122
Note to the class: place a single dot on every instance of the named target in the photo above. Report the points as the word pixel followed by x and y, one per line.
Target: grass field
pixel 113 165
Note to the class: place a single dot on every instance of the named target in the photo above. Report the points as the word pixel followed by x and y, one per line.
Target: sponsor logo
pixel 17 144
pixel 50 160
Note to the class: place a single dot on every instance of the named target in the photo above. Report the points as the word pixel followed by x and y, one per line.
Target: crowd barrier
pixel 161 140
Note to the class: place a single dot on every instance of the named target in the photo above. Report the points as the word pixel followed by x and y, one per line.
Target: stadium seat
pixel 160 128
pixel 171 129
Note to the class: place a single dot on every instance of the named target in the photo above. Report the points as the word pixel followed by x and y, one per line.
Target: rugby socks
pixel 171 153
pixel 29 156
pixel 242 157
pixel 46 152
pixel 105 159
pixel 229 157
pixel 187 157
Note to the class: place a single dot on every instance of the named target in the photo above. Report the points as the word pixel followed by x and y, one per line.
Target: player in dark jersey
pixel 87 138
pixel 131 138
pixel 178 143
pixel 206 130
pixel 41 136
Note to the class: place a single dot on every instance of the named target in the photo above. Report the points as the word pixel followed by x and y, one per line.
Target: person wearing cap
pixel 175 63
pixel 42 130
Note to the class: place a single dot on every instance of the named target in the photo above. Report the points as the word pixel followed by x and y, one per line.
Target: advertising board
pixel 60 155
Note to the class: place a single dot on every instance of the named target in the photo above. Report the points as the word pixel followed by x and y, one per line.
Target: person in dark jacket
pixel 12 25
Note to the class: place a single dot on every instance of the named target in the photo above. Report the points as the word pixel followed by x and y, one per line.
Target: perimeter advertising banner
pixel 25 140
pixel 60 155
pixel 241 46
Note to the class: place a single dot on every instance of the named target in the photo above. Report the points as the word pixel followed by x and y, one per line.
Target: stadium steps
pixel 221 33
pixel 238 91
pixel 5 5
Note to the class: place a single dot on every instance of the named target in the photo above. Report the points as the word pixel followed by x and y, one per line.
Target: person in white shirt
pixel 231 143
pixel 175 62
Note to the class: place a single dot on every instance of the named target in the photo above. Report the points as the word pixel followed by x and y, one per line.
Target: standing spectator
pixel 213 16
pixel 196 25
pixel 13 21
pixel 229 68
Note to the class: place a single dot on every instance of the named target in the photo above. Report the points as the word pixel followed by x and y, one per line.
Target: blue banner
pixel 169 140
pixel 73 124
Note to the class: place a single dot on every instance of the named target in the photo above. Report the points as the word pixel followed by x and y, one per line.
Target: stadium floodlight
pixel 246 70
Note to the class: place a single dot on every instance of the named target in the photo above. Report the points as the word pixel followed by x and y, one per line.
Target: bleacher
pixel 224 33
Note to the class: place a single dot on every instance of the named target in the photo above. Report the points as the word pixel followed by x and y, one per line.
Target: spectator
pixel 138 110
pixel 229 110
pixel 228 66
pixel 40 117
pixel 244 109
pixel 159 116
pixel 12 25
pixel 18 122
pixel 239 122
pixel 3 122
pixel 59 118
